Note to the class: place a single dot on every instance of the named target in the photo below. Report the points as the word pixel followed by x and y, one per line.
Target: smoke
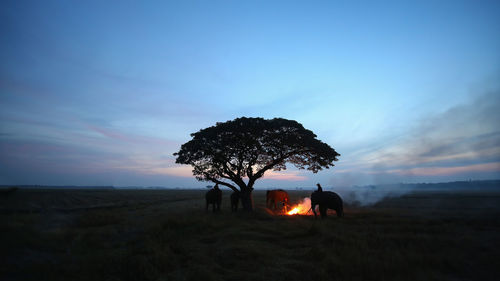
pixel 369 195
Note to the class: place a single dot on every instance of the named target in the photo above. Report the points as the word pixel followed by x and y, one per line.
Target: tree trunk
pixel 246 199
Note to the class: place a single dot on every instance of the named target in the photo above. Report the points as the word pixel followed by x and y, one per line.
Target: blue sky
pixel 95 93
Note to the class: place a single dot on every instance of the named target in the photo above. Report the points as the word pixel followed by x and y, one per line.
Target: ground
pixel 167 235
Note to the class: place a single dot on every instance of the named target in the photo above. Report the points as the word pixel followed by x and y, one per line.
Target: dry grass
pixel 166 235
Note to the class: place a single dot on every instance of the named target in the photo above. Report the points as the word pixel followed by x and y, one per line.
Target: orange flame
pixel 293 211
pixel 302 208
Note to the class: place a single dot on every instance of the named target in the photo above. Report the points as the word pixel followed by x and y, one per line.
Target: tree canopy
pixel 231 151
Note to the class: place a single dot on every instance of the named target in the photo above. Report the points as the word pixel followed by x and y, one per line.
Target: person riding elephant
pixel 326 200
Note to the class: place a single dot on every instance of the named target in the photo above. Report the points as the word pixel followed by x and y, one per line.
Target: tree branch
pixel 240 163
pixel 261 172
pixel 223 183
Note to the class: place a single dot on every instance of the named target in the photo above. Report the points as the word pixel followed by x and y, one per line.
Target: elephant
pixel 327 200
pixel 276 196
pixel 235 198
pixel 214 197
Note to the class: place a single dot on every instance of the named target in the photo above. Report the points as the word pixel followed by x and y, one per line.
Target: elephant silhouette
pixel 214 197
pixel 327 200
pixel 277 196
pixel 235 199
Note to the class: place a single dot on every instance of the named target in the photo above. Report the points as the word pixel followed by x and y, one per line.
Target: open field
pixel 167 235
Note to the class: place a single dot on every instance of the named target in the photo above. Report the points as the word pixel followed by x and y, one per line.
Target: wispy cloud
pixel 115 134
pixel 285 176
pixel 463 140
pixel 448 171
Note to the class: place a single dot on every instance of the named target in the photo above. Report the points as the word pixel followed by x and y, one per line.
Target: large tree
pixel 236 153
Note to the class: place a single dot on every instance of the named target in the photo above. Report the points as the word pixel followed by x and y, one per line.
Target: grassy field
pixel 167 235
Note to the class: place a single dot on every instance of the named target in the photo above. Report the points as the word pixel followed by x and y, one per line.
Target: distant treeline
pixel 463 185
pixel 56 187
pixel 484 184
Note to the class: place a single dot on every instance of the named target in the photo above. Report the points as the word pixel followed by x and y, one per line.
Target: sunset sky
pixel 104 92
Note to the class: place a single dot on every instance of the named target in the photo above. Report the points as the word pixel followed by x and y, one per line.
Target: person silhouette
pixel 320 189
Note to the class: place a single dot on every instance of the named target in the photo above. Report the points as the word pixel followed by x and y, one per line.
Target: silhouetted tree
pixel 236 153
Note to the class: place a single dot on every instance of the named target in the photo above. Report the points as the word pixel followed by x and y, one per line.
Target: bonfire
pixel 302 208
